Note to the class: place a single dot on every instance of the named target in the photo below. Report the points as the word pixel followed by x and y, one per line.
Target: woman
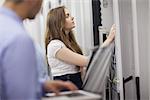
pixel 63 53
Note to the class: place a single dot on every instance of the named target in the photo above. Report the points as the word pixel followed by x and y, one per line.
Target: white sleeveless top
pixel 58 67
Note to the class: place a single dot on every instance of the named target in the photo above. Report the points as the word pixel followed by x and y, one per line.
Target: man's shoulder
pixel 14 38
pixel 21 39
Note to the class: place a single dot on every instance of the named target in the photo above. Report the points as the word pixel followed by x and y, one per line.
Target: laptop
pixel 73 95
pixel 94 80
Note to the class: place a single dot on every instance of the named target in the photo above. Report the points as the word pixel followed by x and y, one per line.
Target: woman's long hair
pixel 55 30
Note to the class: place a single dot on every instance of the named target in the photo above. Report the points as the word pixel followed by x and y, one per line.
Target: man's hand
pixel 57 85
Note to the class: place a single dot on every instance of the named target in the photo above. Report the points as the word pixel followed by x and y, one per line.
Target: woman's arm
pixel 71 57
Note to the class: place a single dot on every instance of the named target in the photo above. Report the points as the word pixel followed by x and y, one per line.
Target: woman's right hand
pixel 110 37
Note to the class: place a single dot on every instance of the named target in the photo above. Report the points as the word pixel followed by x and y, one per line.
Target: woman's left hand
pixel 112 33
pixel 110 37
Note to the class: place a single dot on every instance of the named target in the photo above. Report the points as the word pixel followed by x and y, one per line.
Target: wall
pixel 149 47
pixel 34 28
pixel 142 15
pixel 1 2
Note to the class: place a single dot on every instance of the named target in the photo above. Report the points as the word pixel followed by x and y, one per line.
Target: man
pixel 18 68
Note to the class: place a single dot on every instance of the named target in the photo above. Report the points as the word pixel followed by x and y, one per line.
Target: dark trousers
pixel 74 78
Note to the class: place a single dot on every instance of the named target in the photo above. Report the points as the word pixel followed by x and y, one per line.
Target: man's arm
pixel 20 79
